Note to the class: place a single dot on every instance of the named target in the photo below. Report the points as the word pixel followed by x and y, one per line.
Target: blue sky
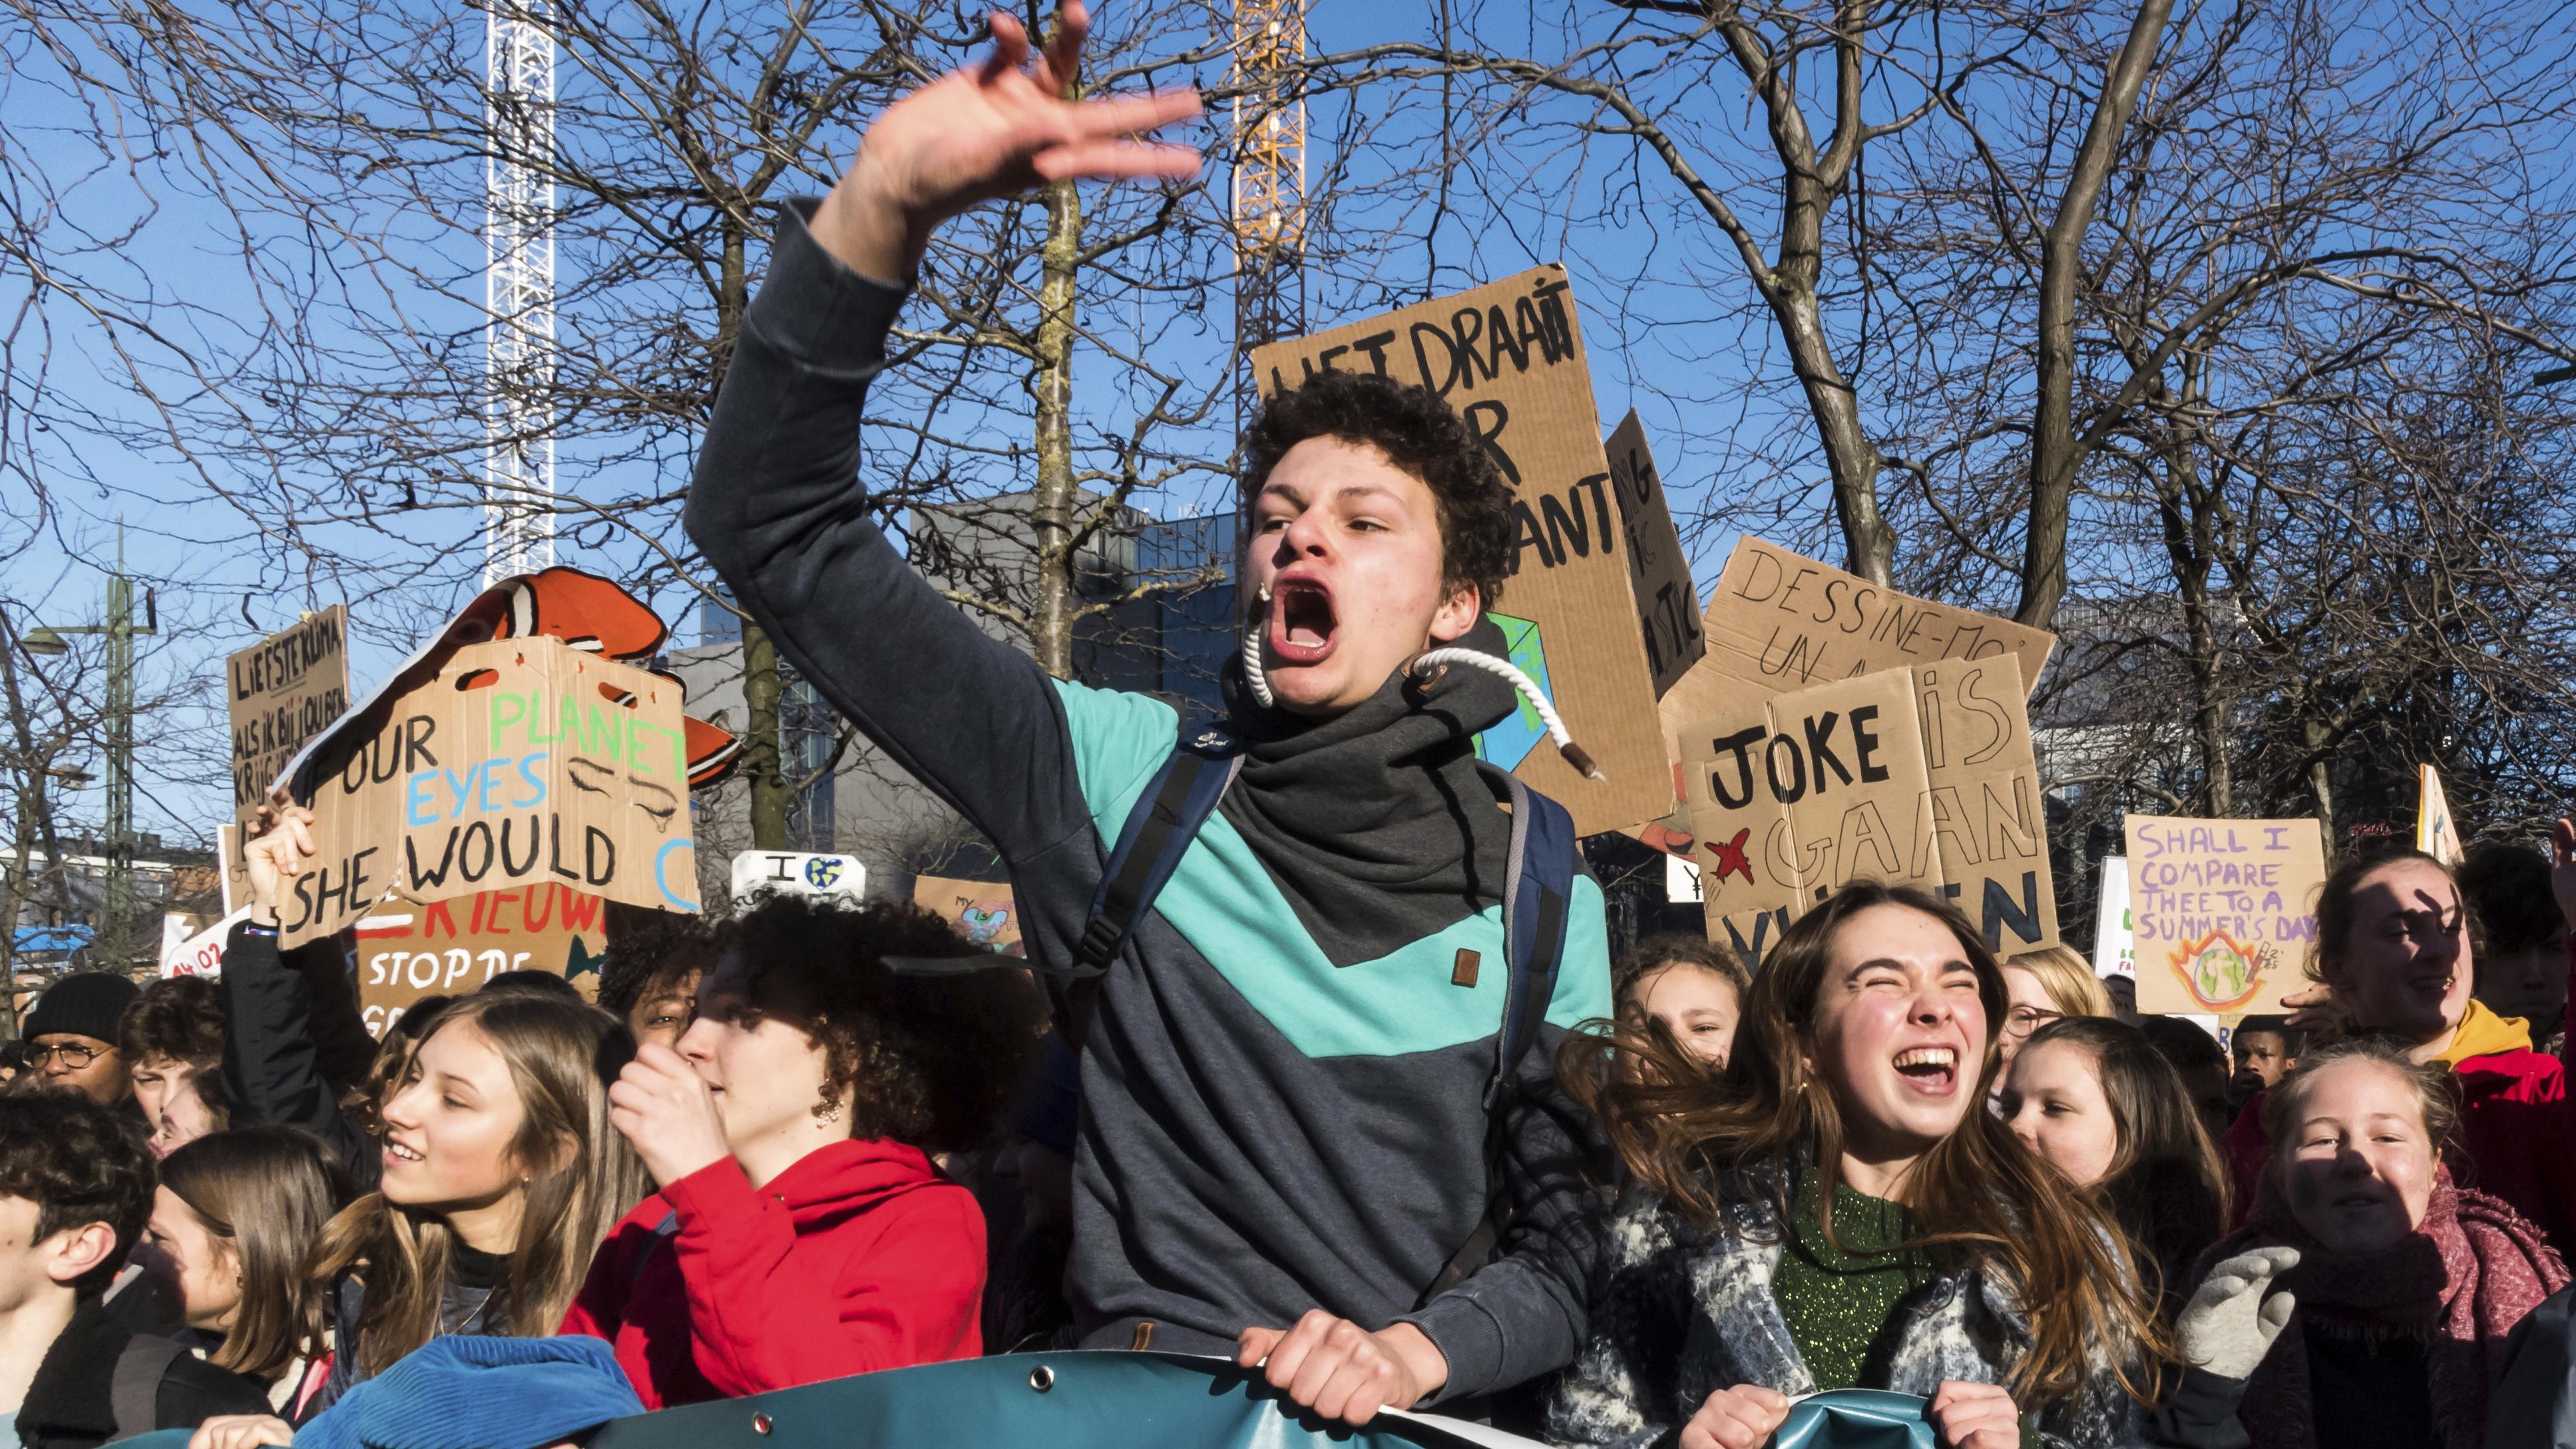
pixel 1670 321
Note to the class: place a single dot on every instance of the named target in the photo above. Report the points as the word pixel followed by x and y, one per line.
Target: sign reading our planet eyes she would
pixel 519 762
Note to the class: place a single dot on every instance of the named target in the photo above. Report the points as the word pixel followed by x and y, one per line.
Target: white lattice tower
pixel 518 290
pixel 1269 200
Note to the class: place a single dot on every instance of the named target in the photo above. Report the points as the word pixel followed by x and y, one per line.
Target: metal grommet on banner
pixel 760 1423
pixel 1042 1378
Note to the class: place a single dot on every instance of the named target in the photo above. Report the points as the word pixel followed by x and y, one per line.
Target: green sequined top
pixel 1835 1303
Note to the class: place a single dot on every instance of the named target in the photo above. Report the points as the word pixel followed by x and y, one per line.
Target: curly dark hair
pixel 77 1163
pixel 2507 889
pixel 647 949
pixel 934 1061
pixel 181 1017
pixel 1419 433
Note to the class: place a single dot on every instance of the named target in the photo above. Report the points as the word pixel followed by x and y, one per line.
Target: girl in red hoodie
pixel 802 1232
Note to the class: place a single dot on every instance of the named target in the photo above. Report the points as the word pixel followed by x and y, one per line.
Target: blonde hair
pixel 562 1054
pixel 2067 978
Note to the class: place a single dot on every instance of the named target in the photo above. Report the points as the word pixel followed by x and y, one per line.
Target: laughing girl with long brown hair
pixel 1838 1210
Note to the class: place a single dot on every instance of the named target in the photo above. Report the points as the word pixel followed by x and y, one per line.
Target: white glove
pixel 2229 1325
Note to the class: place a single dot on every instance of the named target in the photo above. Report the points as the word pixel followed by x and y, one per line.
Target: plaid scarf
pixel 2459 1283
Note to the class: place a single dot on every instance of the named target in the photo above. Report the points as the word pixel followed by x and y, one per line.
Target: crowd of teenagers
pixel 1346 1088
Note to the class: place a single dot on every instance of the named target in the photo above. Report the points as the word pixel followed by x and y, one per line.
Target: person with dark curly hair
pixel 172 1039
pixel 803 1231
pixel 1313 957
pixel 654 961
pixel 75 1191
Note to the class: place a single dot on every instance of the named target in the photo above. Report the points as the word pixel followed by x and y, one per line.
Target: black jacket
pixel 277 1066
pixel 70 1403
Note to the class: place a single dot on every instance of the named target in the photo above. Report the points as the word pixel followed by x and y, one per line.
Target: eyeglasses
pixel 2024 1020
pixel 74 1055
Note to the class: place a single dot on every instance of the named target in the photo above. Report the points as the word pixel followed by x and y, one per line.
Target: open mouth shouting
pixel 1303 626
pixel 1930 1070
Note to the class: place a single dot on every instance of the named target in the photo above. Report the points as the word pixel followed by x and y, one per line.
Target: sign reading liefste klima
pixel 520 762
pixel 282 692
pixel 1508 356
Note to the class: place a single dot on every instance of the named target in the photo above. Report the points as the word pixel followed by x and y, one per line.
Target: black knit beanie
pixel 86 1004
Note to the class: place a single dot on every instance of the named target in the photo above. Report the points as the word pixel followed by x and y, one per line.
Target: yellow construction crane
pixel 1269 181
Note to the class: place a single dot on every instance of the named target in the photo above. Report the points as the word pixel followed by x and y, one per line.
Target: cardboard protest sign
pixel 2222 912
pixel 798 873
pixel 1920 777
pixel 283 691
pixel 1658 571
pixel 985 912
pixel 1780 621
pixel 409 949
pixel 515 763
pixel 2115 952
pixel 1509 357
pixel 2437 834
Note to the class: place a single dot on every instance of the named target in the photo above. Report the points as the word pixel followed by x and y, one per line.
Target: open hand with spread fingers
pixel 990 130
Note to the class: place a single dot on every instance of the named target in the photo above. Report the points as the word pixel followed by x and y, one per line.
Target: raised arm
pixel 777 505
pixel 272 1062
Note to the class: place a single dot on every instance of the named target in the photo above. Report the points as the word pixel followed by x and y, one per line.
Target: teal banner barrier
pixel 1073 1400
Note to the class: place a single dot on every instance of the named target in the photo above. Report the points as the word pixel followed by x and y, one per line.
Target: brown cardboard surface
pixel 1910 776
pixel 1659 572
pixel 2222 913
pixel 1780 621
pixel 517 761
pixel 409 949
pixel 282 691
pixel 1509 357
pixel 983 911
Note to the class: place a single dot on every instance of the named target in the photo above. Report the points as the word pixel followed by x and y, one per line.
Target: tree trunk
pixel 1851 460
pixel 763 767
pixel 2053 453
pixel 1058 582
pixel 764 773
pixel 2182 503
pixel 2321 781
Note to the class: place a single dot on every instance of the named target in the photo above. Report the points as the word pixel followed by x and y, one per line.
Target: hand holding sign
pixel 281 842
pixel 989 131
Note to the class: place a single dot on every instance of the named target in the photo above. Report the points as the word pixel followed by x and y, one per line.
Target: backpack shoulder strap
pixel 1176 802
pixel 1538 887
pixel 134 1393
pixel 1538 890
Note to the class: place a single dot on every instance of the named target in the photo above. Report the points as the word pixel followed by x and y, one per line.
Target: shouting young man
pixel 1284 1134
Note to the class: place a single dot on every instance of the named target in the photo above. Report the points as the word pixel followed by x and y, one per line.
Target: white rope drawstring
pixel 1430 660
pixel 1252 631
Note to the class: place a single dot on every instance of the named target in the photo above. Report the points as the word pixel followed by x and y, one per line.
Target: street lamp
pixel 116 913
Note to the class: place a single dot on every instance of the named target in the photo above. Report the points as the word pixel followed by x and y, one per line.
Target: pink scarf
pixel 2467 1275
